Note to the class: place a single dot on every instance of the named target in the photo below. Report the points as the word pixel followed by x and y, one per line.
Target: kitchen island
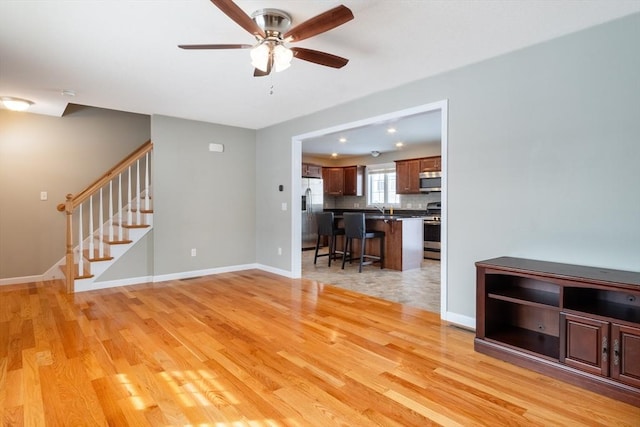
pixel 403 244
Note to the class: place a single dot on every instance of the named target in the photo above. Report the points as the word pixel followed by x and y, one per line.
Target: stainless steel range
pixel 432 231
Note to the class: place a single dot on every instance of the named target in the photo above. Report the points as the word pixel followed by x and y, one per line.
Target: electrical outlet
pixel 193 252
pixel 279 251
pixel 356 205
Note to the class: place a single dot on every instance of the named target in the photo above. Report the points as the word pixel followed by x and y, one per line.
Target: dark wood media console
pixel 575 323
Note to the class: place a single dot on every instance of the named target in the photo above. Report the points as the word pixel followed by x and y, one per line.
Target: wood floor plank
pixel 253 348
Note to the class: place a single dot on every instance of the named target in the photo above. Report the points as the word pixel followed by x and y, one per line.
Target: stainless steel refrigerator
pixel 312 203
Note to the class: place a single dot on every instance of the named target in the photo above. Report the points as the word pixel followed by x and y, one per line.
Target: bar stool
pixel 354 227
pixel 327 227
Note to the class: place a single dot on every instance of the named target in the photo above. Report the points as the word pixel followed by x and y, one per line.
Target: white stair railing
pixel 78 205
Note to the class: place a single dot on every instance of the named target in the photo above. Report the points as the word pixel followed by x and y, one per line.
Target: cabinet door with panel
pixel 431 164
pixel 625 354
pixel 353 180
pixel 311 171
pixel 585 344
pixel 333 181
pixel 408 176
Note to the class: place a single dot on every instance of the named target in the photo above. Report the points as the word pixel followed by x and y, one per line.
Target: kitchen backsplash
pixel 407 201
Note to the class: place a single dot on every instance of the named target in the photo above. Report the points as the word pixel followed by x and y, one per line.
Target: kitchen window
pixel 381 185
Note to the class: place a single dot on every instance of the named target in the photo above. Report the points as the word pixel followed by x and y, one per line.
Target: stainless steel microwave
pixel 430 181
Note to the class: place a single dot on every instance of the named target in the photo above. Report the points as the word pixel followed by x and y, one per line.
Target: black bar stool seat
pixel 327 227
pixel 355 228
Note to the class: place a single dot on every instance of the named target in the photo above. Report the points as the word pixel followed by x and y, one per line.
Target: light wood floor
pixel 255 349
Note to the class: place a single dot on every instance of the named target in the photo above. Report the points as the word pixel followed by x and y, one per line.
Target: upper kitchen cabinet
pixel 333 181
pixel 344 181
pixel 311 171
pixel 431 164
pixel 353 180
pixel 407 176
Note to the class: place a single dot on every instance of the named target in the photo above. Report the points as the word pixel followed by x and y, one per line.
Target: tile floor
pixel 417 288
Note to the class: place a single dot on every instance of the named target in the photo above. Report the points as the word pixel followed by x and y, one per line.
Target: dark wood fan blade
pixel 318 57
pixel 214 46
pixel 234 12
pixel 319 24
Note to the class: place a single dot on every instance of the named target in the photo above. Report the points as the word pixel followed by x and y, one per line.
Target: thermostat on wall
pixel 217 148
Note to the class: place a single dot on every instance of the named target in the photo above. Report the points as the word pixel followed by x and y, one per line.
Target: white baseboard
pixel 459 319
pixel 24 279
pixel 92 286
pixel 277 271
pixel 205 272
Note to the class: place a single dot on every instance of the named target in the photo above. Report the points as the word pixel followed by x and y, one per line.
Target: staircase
pixel 119 203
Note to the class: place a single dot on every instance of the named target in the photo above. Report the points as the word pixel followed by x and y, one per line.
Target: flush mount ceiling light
pixel 391 130
pixel 15 104
pixel 399 144
pixel 375 153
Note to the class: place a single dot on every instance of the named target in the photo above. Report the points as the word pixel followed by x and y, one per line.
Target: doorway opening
pixel 297 141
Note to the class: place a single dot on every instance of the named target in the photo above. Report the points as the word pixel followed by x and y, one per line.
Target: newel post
pixel 70 270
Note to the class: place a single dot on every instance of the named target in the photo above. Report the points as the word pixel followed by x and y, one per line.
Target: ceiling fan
pixel 270 27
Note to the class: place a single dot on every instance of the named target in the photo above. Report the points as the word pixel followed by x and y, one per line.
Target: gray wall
pixel 543 156
pixel 203 200
pixel 59 155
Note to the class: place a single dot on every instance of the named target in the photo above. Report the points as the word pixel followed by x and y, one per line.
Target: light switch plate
pixel 284 206
pixel 43 196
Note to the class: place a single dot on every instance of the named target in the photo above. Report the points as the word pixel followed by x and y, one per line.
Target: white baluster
pixel 111 211
pixel 81 243
pixel 100 229
pixel 129 217
pixel 120 207
pixel 146 181
pixel 91 243
pixel 138 213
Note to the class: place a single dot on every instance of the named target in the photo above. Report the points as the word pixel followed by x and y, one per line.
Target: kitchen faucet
pixel 381 209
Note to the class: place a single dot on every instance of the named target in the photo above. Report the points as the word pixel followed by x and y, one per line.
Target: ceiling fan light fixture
pixel 282 57
pixel 260 56
pixel 16 104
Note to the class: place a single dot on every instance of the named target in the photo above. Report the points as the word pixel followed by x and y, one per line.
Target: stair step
pixel 125 225
pixel 86 274
pixel 118 242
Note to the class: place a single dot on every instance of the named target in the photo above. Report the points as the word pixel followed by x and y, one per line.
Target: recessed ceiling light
pixel 391 130
pixel 68 92
pixel 15 104
pixel 399 144
pixel 334 154
pixel 343 139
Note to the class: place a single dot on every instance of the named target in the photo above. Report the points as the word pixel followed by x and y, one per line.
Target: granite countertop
pixel 377 215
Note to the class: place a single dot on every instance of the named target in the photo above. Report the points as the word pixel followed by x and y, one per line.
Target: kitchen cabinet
pixel 311 171
pixel 431 164
pixel 344 181
pixel 407 176
pixel 353 180
pixel 333 181
pixel 578 324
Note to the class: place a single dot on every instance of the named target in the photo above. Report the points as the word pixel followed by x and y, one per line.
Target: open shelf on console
pixel 619 305
pixel 522 290
pixel 534 342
